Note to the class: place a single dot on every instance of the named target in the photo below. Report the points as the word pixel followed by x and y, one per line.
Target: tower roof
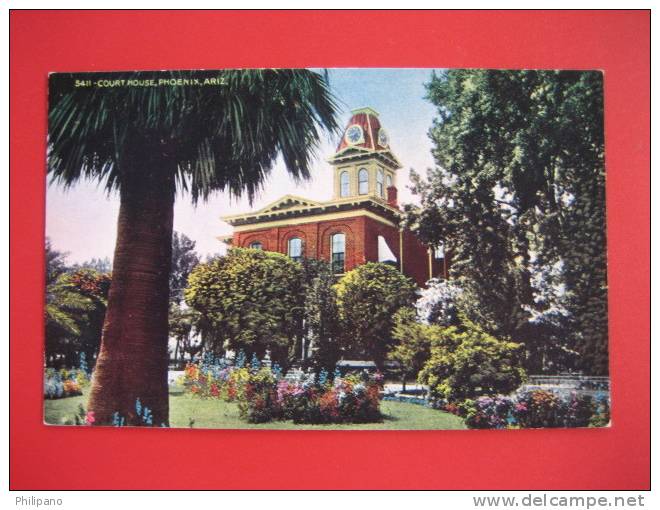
pixel 364 134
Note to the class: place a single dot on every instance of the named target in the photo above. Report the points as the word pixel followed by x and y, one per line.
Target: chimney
pixel 392 197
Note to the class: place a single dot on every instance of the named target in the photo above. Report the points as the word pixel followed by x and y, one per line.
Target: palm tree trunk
pixel 133 358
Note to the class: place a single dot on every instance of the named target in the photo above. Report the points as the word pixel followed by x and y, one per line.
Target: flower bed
pixel 534 409
pixel 64 383
pixel 264 395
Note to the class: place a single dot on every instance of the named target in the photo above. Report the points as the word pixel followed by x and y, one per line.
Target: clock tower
pixel 361 222
pixel 364 165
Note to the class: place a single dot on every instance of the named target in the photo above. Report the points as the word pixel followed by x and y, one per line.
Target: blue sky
pixel 82 220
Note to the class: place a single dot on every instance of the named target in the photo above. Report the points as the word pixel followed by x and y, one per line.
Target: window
pixel 379 182
pixel 388 180
pixel 295 248
pixel 338 251
pixel 363 181
pixel 256 245
pixel 343 184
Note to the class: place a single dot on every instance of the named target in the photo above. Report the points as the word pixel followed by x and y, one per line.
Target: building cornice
pixel 375 207
pixel 350 154
pixel 314 218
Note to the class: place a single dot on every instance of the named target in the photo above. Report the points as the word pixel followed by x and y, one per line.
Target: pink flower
pixel 89 418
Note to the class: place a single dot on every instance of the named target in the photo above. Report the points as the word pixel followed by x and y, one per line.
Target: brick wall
pixel 361 243
pixel 315 237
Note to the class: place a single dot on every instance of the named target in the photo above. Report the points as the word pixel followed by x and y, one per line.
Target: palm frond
pixel 221 137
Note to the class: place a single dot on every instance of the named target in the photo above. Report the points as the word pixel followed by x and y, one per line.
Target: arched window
pixel 379 182
pixel 363 181
pixel 338 252
pixel 344 184
pixel 295 248
pixel 388 180
pixel 256 245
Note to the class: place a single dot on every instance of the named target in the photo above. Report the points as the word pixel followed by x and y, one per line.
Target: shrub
pixel 533 409
pixel 254 297
pixel 412 349
pixel 367 299
pixel 601 416
pixel 578 410
pixel 488 412
pixel 540 408
pixel 259 402
pixel 298 401
pixel 466 363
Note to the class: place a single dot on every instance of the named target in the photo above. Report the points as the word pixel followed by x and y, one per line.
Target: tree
pixel 184 259
pixel 466 362
pixel 367 299
pixel 251 301
pixel 147 141
pixel 99 265
pixel 75 309
pixel 438 303
pixel 518 198
pixel 94 286
pixel 181 322
pixel 64 312
pixel 321 317
pixel 414 340
pixel 55 263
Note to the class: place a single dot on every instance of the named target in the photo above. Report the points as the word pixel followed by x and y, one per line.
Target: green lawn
pixel 222 415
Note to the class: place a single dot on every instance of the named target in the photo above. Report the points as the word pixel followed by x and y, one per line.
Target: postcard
pixel 326 249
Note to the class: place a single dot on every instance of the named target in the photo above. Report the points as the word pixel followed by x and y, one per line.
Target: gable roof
pixel 286 202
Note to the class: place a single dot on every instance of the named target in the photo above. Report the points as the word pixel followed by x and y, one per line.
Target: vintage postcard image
pixel 326 249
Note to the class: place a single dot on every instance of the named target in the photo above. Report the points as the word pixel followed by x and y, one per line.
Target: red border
pixel 617 42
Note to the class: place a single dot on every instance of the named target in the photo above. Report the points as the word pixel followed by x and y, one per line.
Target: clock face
pixel 354 134
pixel 383 139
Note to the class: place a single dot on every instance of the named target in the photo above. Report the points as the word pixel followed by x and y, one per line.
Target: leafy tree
pixel 517 197
pixel 438 302
pixel 55 263
pixel 414 340
pixel 64 311
pixel 321 317
pixel 99 265
pixel 182 321
pixel 184 259
pixel 75 309
pixel 367 299
pixel 94 286
pixel 466 362
pixel 146 142
pixel 250 300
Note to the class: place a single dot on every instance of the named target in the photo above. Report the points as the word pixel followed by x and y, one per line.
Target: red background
pixel 616 458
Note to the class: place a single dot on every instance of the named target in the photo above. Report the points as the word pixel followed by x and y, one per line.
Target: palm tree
pixel 65 311
pixel 148 139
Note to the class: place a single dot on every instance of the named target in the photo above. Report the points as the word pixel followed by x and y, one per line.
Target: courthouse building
pixel 359 224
